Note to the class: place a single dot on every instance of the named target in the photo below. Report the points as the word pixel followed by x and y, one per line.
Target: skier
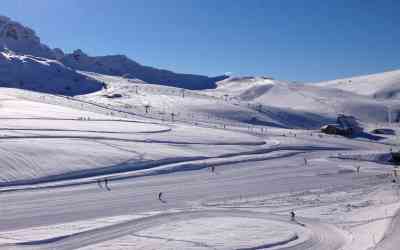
pixel 160 196
pixel 292 216
pixel 212 169
pixel 305 162
pixel 99 184
pixel 106 184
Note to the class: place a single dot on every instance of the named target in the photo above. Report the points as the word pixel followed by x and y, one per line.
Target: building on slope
pixel 345 125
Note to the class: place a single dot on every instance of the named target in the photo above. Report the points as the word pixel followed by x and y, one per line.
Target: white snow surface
pixel 381 85
pixel 44 75
pixel 57 151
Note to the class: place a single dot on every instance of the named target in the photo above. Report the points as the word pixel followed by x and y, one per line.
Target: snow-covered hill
pixel 43 75
pixel 41 135
pixel 383 85
pixel 315 99
pixel 210 106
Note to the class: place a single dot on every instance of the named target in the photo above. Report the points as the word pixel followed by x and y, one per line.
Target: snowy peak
pixel 20 39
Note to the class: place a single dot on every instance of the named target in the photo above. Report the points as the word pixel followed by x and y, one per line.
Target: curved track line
pixel 322 236
pixel 256 143
pixel 86 131
pixel 391 239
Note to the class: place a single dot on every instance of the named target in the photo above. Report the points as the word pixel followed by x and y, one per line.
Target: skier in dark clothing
pixel 106 184
pixel 358 169
pixel 160 196
pixel 99 184
pixel 292 215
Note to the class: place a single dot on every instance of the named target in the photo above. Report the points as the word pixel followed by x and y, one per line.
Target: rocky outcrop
pixel 23 40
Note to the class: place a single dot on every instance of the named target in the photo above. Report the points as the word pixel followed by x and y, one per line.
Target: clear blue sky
pixel 305 40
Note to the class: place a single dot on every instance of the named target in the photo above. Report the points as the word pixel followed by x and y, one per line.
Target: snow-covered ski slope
pixel 247 100
pixel 383 85
pixel 38 137
pixel 57 152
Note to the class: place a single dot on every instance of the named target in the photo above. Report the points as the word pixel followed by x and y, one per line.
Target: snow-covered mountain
pixel 120 65
pixel 381 85
pixel 28 64
pixel 24 41
pixel 43 75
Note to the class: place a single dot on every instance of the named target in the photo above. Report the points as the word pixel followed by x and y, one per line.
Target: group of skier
pixel 160 194
pixel 106 186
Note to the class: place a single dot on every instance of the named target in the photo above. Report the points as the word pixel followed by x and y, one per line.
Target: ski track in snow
pixel 321 236
pixel 391 239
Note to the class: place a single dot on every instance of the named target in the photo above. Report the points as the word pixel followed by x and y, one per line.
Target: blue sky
pixel 304 40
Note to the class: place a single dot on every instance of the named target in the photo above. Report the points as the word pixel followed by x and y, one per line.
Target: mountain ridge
pixel 23 40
